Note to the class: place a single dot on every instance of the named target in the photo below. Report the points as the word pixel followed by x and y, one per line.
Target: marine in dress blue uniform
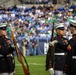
pixel 6 52
pixel 72 50
pixel 60 44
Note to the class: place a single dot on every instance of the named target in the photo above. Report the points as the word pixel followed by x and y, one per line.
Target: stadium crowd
pixel 34 1
pixel 36 22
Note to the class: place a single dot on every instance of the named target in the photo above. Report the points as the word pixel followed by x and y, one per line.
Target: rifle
pixel 50 53
pixel 20 55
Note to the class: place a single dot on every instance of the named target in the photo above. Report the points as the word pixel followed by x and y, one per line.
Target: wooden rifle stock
pixel 50 53
pixel 52 36
pixel 52 48
pixel 20 56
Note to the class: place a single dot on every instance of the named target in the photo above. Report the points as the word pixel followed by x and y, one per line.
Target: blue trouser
pixel 34 51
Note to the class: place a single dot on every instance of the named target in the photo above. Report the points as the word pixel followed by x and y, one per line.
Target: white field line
pixel 30 64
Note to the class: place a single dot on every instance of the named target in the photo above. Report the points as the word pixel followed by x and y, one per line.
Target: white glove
pixel 51 70
pixel 53 42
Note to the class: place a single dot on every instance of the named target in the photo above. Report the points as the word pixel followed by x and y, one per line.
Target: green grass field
pixel 36 65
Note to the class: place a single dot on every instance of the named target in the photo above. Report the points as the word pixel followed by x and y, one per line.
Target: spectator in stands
pixel 40 18
pixel 34 46
pixel 26 44
pixel 74 11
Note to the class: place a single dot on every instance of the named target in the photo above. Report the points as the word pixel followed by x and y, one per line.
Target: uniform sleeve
pixel 5 50
pixel 71 44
